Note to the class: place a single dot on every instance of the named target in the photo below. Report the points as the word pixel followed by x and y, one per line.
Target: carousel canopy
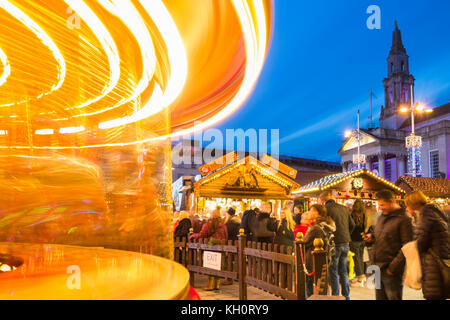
pixel 335 180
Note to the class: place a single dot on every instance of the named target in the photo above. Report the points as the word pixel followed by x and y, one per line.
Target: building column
pixel 381 158
pixel 401 165
pixel 369 160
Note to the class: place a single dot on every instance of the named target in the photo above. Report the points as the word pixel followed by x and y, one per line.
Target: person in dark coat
pixel 264 226
pixel 233 224
pixel 432 232
pixel 338 270
pixel 183 227
pixel 322 223
pixel 285 230
pixel 392 231
pixel 247 220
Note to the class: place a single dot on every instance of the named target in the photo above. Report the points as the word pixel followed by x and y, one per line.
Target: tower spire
pixel 397 44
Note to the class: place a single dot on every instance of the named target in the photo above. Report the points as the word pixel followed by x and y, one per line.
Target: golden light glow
pixel 126 64
pixel 420 107
pixel 404 109
pixel 348 133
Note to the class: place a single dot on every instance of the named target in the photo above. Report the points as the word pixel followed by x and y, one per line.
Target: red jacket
pixel 303 228
pixel 206 232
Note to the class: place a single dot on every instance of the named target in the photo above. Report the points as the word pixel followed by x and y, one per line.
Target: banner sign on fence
pixel 212 260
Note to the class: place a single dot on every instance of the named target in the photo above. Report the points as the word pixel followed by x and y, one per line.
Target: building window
pixel 388 170
pixel 434 164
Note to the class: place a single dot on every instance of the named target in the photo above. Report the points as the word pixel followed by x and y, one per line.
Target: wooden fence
pixel 276 269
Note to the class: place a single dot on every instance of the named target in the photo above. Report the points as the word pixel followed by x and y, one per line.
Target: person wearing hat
pixel 233 223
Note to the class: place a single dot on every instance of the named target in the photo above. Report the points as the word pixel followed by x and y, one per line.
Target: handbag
pixel 413 270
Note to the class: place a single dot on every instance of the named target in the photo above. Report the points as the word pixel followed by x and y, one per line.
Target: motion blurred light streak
pixel 44 37
pixel 108 44
pixel 132 63
pixel 175 48
pixel 129 15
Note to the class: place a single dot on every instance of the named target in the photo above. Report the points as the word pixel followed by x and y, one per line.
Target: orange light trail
pixel 132 61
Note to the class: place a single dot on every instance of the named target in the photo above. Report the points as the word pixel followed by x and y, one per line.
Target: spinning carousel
pixel 91 93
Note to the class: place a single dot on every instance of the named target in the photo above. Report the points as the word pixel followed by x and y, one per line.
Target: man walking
pixel 338 271
pixel 392 231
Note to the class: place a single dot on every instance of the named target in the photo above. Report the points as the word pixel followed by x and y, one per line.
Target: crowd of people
pixel 354 238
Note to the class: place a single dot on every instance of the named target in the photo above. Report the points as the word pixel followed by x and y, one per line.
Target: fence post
pixel 299 271
pixel 242 268
pixel 319 260
pixel 190 257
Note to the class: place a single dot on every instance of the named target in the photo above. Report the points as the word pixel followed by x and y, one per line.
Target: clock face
pixel 357 183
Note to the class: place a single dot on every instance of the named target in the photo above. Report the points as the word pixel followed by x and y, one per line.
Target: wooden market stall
pixel 348 186
pixel 244 184
pixel 436 189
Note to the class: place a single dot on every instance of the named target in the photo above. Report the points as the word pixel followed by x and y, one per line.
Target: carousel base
pixel 59 272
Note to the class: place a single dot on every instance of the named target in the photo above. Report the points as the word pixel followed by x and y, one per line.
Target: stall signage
pixel 281 167
pixel 218 163
pixel 212 260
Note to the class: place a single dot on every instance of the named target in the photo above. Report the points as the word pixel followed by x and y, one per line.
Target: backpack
pixel 329 243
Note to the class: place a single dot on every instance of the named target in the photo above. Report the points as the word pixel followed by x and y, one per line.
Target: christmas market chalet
pixel 243 183
pixel 348 186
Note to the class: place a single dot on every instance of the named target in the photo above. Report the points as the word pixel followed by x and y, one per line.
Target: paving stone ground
pixel 232 292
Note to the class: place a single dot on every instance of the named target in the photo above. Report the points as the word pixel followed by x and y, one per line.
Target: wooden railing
pixel 276 269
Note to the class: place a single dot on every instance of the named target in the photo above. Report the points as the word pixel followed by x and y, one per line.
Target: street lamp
pixel 414 142
pixel 359 158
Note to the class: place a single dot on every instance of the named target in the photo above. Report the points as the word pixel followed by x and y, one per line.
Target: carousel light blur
pixel 92 91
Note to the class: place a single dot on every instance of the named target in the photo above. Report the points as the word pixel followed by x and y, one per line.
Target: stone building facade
pixel 384 147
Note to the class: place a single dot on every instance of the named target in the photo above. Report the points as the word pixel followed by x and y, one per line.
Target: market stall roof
pixel 431 187
pixel 246 178
pixel 335 180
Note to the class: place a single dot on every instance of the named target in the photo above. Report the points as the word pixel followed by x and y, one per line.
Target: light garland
pixel 347 177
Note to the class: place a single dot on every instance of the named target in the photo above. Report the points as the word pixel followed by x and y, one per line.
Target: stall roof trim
pixel 264 169
pixel 334 179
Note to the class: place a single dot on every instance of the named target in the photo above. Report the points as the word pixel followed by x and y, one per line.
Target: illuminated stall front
pixel 349 186
pixel 244 184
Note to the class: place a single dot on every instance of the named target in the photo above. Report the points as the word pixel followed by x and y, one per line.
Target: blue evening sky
pixel 323 61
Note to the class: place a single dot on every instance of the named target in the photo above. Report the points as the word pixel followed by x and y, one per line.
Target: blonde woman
pixel 285 229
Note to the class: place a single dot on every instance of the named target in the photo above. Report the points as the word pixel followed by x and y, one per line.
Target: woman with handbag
pixel 433 245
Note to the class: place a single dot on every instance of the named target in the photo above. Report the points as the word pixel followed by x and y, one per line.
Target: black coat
pixel 182 230
pixel 391 233
pixel 233 225
pixel 284 236
pixel 343 220
pixel 313 233
pixel 247 219
pixel 263 227
pixel 432 233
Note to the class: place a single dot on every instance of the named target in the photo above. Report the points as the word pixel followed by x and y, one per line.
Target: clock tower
pixel 398 84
